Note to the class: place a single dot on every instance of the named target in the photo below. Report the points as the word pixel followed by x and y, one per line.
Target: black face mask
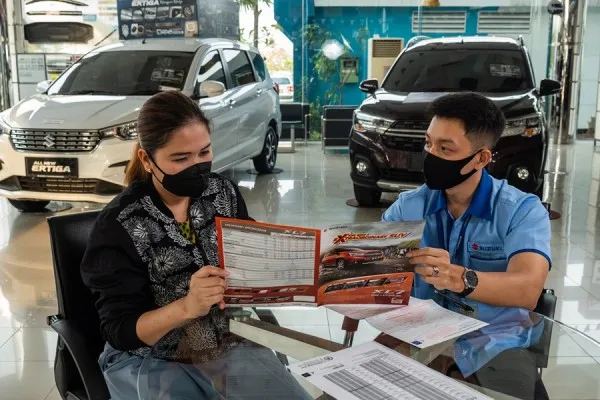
pixel 442 174
pixel 191 182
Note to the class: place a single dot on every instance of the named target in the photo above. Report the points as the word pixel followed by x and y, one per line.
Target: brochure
pixel 345 264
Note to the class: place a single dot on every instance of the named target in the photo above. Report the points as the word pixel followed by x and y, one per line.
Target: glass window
pixel 281 81
pixel 239 67
pixel 125 73
pixel 259 65
pixel 459 70
pixel 212 69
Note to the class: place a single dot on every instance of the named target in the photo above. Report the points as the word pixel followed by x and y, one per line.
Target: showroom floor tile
pixel 312 191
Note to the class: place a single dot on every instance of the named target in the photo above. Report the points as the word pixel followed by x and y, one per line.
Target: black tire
pixel 366 196
pixel 29 205
pixel 265 162
pixel 340 264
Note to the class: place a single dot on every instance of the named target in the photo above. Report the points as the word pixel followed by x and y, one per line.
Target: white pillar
pixel 16 41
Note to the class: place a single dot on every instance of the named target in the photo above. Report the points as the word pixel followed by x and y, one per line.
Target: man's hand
pixel 435 268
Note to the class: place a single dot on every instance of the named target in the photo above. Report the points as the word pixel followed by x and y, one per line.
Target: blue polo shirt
pixel 500 222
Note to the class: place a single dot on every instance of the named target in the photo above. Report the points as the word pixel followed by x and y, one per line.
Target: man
pixel 486 244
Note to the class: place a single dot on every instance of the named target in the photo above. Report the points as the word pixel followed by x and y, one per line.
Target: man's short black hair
pixel 482 119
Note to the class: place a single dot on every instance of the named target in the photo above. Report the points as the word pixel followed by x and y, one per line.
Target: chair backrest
pixel 69 235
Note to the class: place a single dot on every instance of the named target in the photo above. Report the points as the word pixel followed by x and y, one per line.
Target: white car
pixel 286 87
pixel 73 140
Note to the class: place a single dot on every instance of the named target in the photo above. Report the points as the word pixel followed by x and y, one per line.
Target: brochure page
pixel 269 264
pixel 367 263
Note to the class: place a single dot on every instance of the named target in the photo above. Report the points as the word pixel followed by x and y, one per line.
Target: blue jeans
pixel 247 371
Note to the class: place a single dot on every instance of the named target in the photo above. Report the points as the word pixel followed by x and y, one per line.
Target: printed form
pixel 373 372
pixel 424 323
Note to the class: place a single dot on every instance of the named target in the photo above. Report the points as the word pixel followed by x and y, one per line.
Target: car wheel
pixel 340 264
pixel 29 205
pixel 366 196
pixel 265 161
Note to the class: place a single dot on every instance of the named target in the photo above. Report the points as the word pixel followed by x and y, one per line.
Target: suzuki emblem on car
pixel 49 140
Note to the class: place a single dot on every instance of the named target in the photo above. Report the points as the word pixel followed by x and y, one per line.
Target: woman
pixel 150 265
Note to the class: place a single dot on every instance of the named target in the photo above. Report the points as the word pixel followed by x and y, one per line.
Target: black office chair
pixel 546 306
pixel 76 370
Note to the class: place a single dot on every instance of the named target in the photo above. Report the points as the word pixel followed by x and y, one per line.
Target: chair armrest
pixel 88 368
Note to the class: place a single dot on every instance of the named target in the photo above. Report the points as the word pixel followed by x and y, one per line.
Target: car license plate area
pixel 407 160
pixel 52 167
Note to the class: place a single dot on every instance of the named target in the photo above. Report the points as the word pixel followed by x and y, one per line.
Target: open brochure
pixel 344 264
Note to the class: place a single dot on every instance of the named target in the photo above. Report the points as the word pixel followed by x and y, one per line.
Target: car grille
pixel 409 125
pixel 54 141
pixel 58 185
pixel 412 143
pixel 398 175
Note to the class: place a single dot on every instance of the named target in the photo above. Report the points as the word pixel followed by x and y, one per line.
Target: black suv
pixel 388 132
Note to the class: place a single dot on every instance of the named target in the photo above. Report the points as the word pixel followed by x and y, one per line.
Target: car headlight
pixel 529 126
pixel 4 127
pixel 126 131
pixel 364 122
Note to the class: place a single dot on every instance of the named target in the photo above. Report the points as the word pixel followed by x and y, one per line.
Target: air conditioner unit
pixel 382 54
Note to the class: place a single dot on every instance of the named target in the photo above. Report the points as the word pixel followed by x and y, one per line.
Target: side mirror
pixel 369 86
pixel 43 86
pixel 549 87
pixel 208 89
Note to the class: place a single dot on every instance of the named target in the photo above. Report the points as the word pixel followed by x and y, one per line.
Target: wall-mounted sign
pixel 31 68
pixel 140 19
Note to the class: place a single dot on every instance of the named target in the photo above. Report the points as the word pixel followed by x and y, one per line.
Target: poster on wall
pixel 31 68
pixel 139 19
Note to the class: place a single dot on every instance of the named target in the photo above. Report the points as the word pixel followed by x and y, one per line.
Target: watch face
pixel 471 278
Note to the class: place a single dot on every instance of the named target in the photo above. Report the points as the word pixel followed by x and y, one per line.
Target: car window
pixel 212 69
pixel 259 65
pixel 281 81
pixel 485 71
pixel 239 67
pixel 125 73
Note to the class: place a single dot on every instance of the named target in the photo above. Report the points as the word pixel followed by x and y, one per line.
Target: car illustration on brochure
pixel 340 258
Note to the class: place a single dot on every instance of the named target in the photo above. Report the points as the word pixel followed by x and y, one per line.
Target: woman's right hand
pixel 207 287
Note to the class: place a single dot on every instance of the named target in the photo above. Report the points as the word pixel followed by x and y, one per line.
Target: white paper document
pixel 374 372
pixel 364 311
pixel 424 323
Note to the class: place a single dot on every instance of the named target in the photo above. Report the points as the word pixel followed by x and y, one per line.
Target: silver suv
pixel 72 140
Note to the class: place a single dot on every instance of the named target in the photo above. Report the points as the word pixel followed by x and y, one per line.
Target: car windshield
pixel 459 70
pixel 281 81
pixel 125 73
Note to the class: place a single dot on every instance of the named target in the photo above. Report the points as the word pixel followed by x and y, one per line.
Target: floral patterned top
pixel 140 258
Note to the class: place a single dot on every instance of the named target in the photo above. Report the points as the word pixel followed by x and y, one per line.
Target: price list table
pixel 259 255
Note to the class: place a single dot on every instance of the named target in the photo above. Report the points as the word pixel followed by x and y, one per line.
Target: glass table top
pixel 519 355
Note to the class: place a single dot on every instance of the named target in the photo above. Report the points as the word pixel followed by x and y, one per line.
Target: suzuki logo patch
pixel 479 247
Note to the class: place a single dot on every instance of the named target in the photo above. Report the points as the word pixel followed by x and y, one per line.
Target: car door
pixel 224 123
pixel 265 104
pixel 244 96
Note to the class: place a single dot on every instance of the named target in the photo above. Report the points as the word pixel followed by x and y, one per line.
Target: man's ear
pixel 483 158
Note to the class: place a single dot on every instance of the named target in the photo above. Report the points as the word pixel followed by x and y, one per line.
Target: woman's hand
pixel 207 286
